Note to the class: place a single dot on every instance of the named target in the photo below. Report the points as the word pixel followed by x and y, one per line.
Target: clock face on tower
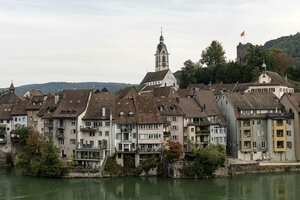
pixel 163 64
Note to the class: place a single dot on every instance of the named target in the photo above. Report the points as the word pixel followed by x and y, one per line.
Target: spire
pixel 161 38
pixel 12 87
pixel 264 67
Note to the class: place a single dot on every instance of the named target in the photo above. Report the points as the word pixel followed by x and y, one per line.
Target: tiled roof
pixel 164 92
pixel 295 100
pixel 191 108
pixel 127 92
pixel 96 105
pixel 250 101
pixel 5 111
pixel 18 109
pixel 148 88
pixel 125 112
pixel 154 76
pixel 11 98
pixel 72 104
pixel 168 106
pixel 147 111
pixel 184 93
pixel 35 103
pixel 48 107
pixel 276 79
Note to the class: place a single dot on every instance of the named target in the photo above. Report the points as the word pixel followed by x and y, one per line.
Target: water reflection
pixel 275 186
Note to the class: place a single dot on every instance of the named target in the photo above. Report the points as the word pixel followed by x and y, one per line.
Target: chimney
pixel 56 99
pixel 103 111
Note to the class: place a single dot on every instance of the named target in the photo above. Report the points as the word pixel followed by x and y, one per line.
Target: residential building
pixel 258 128
pixel 67 119
pixel 5 127
pixel 32 108
pixel 291 102
pixel 270 82
pixel 95 140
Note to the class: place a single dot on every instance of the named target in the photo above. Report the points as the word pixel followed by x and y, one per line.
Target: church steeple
pixel 161 55
pixel 12 87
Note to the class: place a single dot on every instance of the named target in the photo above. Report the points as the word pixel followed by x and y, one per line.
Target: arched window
pixel 164 58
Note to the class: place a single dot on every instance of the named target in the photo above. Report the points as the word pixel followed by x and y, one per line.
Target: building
pixel 31 93
pixel 162 77
pixel 215 122
pixel 67 119
pixel 241 51
pixel 291 104
pixel 270 82
pixel 5 127
pixel 33 106
pixel 258 128
pixel 95 140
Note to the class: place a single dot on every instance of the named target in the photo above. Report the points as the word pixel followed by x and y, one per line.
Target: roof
pixel 148 88
pixel 276 79
pixel 147 111
pixel 12 87
pixel 35 93
pixel 35 103
pixel 48 107
pixel 164 92
pixel 11 98
pixel 191 108
pixel 253 101
pixel 127 92
pixel 169 106
pixel 123 108
pixel 294 99
pixel 207 101
pixel 5 111
pixel 154 76
pixel 72 104
pixel 96 105
pixel 185 93
pixel 18 109
pixel 199 86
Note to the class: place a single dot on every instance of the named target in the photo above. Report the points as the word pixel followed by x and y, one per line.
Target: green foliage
pixel 289 44
pixel 112 167
pixel 188 74
pixel 256 55
pixel 206 161
pixel 41 158
pixel 147 164
pixel 255 73
pixel 22 133
pixel 213 55
pixel 173 151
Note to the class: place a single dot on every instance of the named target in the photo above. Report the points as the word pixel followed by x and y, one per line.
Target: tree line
pixel 213 67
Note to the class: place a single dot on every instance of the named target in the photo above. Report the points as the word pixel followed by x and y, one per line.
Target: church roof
pixel 276 79
pixel 154 76
pixel 160 46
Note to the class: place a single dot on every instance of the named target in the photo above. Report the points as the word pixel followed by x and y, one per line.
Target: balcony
pixel 167 133
pixel 60 135
pixel 88 129
pixel 126 130
pixel 92 155
pixel 61 127
pixel 49 125
pixel 149 150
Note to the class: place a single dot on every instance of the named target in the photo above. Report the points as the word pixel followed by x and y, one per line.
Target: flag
pixel 243 34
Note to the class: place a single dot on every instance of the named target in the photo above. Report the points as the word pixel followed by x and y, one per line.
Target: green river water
pixel 268 186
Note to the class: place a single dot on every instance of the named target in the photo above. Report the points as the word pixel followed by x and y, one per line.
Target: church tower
pixel 161 56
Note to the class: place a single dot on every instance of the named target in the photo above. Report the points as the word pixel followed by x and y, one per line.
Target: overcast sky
pixel 115 41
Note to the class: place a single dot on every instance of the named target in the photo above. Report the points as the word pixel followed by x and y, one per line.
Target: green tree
pixel 22 133
pixel 213 55
pixel 255 73
pixel 187 75
pixel 281 62
pixel 256 55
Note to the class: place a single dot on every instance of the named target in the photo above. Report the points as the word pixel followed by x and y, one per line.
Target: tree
pixel 173 151
pixel 281 62
pixel 22 133
pixel 187 75
pixel 213 55
pixel 104 89
pixel 255 73
pixel 34 144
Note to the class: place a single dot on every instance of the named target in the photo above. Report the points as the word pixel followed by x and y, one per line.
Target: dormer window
pixel 121 114
pixel 33 103
pixel 130 114
pixel 160 108
pixel 173 107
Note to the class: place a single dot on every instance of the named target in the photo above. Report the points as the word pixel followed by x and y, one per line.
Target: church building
pixel 163 76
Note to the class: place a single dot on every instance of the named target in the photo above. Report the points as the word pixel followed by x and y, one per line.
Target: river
pixel 267 186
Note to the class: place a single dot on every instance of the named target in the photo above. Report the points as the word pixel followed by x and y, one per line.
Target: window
pixel 1 121
pixel 92 143
pixel 279 122
pixel 42 129
pixel 174 128
pixel 92 134
pixel 175 137
pixel 185 138
pixel 280 144
pixel 192 130
pixel 289 145
pixel 61 141
pixel 16 119
pixel 247 144
pixel 73 131
pixel 279 133
pixel 247 133
pixel 100 133
pixel 134 135
pixel 288 121
pixel 246 122
pixel 174 119
pixel 73 122
pixel 192 138
pixel 72 141
pixel 254 144
pixel 106 133
pixel 289 133
pixel 88 124
pixel 107 124
pixel 263 144
pixel 259 122
pixel 121 114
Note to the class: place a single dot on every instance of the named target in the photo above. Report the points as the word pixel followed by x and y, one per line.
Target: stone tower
pixel 241 50
pixel 161 56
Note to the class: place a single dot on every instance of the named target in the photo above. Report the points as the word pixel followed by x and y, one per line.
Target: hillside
pixel 59 86
pixel 289 44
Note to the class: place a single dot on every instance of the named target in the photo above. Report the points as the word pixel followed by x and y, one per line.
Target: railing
pixel 88 129
pixel 60 135
pixel 126 130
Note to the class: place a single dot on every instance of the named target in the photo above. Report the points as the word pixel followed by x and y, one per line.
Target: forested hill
pixel 289 44
pixel 59 86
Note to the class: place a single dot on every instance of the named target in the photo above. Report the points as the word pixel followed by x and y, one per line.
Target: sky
pixel 115 40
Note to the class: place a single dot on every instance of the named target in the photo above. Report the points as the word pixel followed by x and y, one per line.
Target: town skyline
pixel 74 42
